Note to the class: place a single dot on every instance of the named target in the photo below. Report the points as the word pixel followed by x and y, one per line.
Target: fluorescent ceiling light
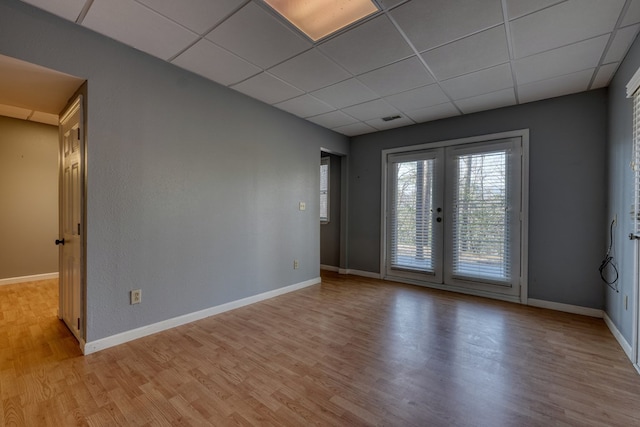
pixel 319 18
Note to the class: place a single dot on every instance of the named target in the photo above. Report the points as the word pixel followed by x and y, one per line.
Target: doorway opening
pixel 333 179
pixel 34 97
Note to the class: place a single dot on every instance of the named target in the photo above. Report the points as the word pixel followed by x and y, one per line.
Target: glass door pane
pixel 483 221
pixel 414 214
pixel 480 220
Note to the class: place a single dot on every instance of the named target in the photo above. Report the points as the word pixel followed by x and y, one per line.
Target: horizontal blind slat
pixel 411 219
pixel 480 219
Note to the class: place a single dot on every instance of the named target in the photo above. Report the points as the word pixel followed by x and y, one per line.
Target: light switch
pixel 303 206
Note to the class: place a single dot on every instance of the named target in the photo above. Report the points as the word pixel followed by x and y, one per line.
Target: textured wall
pixel 193 188
pixel 566 185
pixel 28 198
pixel 620 181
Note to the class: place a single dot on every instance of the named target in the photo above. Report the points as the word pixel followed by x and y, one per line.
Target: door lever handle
pixel 60 242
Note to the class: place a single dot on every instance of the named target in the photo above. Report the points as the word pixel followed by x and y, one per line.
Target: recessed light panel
pixel 319 18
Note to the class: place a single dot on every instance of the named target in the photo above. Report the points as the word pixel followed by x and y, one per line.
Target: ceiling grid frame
pixel 491 14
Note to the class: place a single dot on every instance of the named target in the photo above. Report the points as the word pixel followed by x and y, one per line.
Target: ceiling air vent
pixel 389 118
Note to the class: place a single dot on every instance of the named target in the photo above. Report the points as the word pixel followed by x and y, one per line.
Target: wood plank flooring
pixel 348 352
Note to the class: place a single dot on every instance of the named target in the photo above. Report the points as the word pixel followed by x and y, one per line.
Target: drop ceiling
pixel 420 60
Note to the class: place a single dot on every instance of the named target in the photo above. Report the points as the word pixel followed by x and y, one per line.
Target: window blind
pixel 480 220
pixel 411 230
pixel 636 164
pixel 324 189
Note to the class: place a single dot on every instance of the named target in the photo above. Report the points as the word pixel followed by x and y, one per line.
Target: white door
pixel 71 195
pixel 454 217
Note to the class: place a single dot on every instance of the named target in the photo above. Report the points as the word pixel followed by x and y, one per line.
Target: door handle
pixel 60 242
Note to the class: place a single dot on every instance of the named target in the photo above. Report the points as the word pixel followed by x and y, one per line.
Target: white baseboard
pixel 123 337
pixel 361 273
pixel 329 268
pixel 567 308
pixel 23 279
pixel 626 347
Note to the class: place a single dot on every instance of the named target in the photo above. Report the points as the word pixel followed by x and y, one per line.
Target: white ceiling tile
pixel 399 77
pixel 563 24
pixel 305 106
pixel 68 9
pixel 391 124
pixel 621 43
pixel 346 93
pixel 436 112
pixel 480 82
pixel 553 63
pixel 368 46
pixel 604 75
pixel 482 50
pixel 213 62
pixel 564 85
pixel 310 70
pixel 488 101
pixel 371 110
pixel 333 119
pixel 197 15
pixel 355 129
pixel 435 22
pixel 135 25
pixel 415 99
pixel 258 36
pixel 516 8
pixel 267 88
pixel 633 14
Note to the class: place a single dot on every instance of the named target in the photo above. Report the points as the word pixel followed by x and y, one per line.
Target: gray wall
pixel 28 198
pixel 330 233
pixel 193 188
pixel 567 189
pixel 620 181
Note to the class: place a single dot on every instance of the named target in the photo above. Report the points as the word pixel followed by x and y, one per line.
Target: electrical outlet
pixel 295 264
pixel 136 296
pixel 302 206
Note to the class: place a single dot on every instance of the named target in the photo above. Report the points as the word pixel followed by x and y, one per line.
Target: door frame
pixel 523 134
pixel 82 94
pixel 343 267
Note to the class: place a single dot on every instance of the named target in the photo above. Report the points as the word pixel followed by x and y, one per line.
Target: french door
pixel 453 217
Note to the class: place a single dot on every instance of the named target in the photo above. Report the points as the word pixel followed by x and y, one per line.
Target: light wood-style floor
pixel 351 351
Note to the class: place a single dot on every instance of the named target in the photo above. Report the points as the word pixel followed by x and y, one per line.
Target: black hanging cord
pixel 607 261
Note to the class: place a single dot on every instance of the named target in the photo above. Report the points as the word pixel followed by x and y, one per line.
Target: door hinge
pixel 78 229
pixel 78 134
pixel 78 323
